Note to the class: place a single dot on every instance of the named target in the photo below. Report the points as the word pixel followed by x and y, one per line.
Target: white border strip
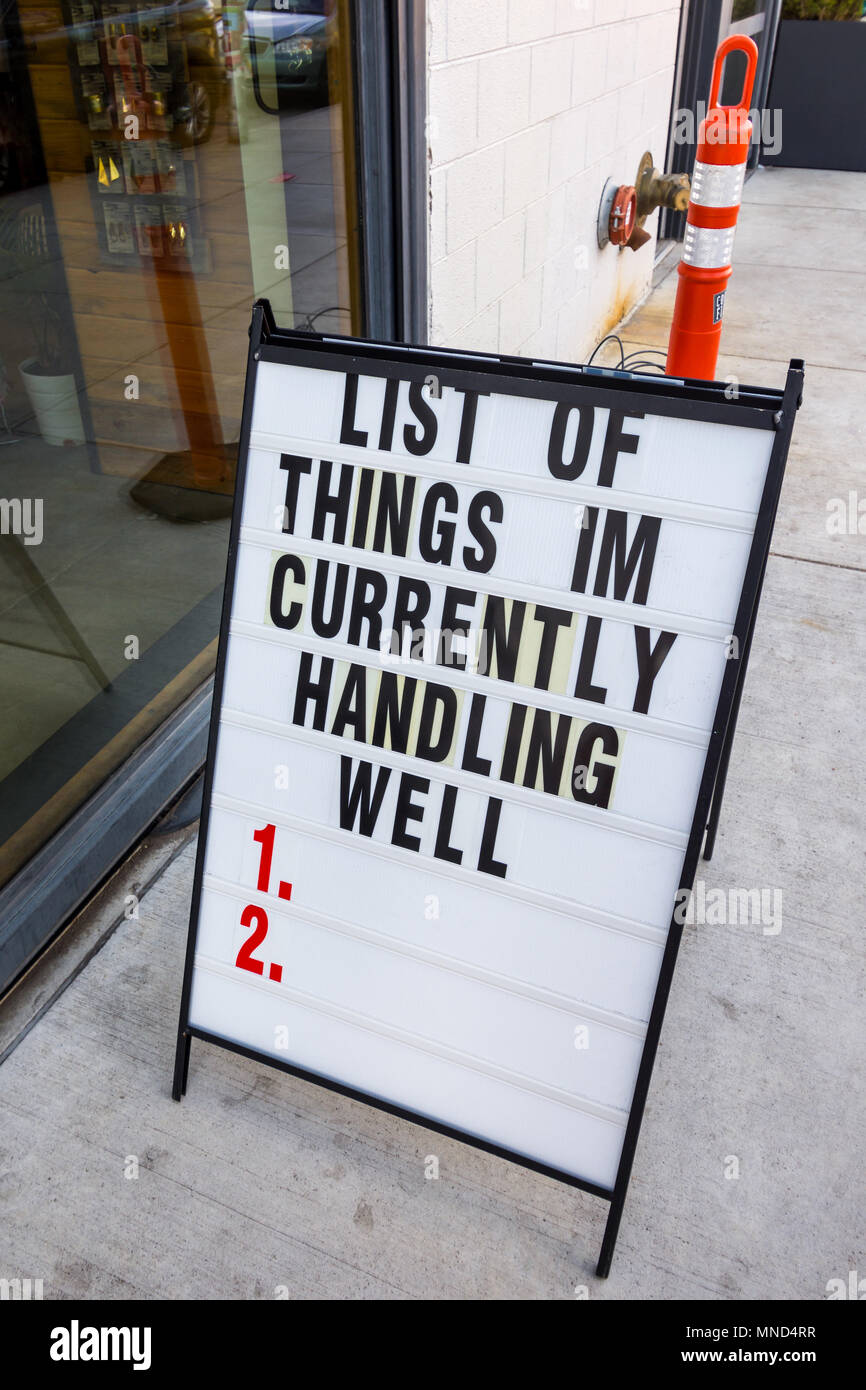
pixel 717 185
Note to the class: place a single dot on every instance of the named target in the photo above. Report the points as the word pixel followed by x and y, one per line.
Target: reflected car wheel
pixel 199 120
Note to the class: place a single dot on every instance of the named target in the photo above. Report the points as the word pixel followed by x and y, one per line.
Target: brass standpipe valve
pixel 657 190
pixel 625 208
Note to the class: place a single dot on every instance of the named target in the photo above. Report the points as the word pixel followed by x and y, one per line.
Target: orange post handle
pixel 736 43
pixel 705 268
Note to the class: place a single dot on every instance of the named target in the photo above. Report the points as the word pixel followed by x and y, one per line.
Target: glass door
pixel 294 113
pixel 161 166
pixel 758 19
pixel 704 24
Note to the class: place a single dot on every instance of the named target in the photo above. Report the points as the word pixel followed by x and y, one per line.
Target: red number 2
pixel 246 960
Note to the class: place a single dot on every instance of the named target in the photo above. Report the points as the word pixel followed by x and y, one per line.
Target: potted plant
pixel 48 380
pixel 817 85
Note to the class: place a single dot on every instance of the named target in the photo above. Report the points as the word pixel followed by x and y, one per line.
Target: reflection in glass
pixel 161 165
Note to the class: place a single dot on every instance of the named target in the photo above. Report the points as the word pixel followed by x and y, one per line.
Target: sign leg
pixel 181 1065
pixel 792 400
pixel 611 1231
pixel 724 761
pixel 721 777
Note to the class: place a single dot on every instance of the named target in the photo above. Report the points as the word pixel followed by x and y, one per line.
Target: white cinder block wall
pixel 532 104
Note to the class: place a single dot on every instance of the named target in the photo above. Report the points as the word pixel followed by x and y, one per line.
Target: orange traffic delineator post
pixel 717 187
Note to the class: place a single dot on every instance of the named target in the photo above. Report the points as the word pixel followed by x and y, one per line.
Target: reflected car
pixel 288 47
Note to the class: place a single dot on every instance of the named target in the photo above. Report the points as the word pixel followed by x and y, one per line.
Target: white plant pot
pixel 55 404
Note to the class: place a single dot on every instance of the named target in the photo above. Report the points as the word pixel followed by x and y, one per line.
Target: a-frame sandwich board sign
pixel 485 624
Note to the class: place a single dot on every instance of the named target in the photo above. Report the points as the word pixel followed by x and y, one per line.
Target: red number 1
pixel 265 838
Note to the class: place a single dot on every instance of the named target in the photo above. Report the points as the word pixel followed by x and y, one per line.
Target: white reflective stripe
pixel 718 185
pixel 708 247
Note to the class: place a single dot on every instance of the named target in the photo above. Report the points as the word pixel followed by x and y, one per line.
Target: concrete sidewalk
pixel 258 1182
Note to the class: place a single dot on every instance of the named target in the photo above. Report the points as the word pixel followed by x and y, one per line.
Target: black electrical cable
pixel 641 359
pixel 610 338
pixel 330 309
pixel 637 360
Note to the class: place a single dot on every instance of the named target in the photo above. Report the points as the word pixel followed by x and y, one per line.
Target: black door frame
pixel 391 99
pixel 699 37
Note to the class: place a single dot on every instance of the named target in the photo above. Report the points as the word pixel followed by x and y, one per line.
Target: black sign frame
pixel 752 407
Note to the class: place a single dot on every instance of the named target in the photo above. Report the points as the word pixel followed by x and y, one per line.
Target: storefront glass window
pixel 161 165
